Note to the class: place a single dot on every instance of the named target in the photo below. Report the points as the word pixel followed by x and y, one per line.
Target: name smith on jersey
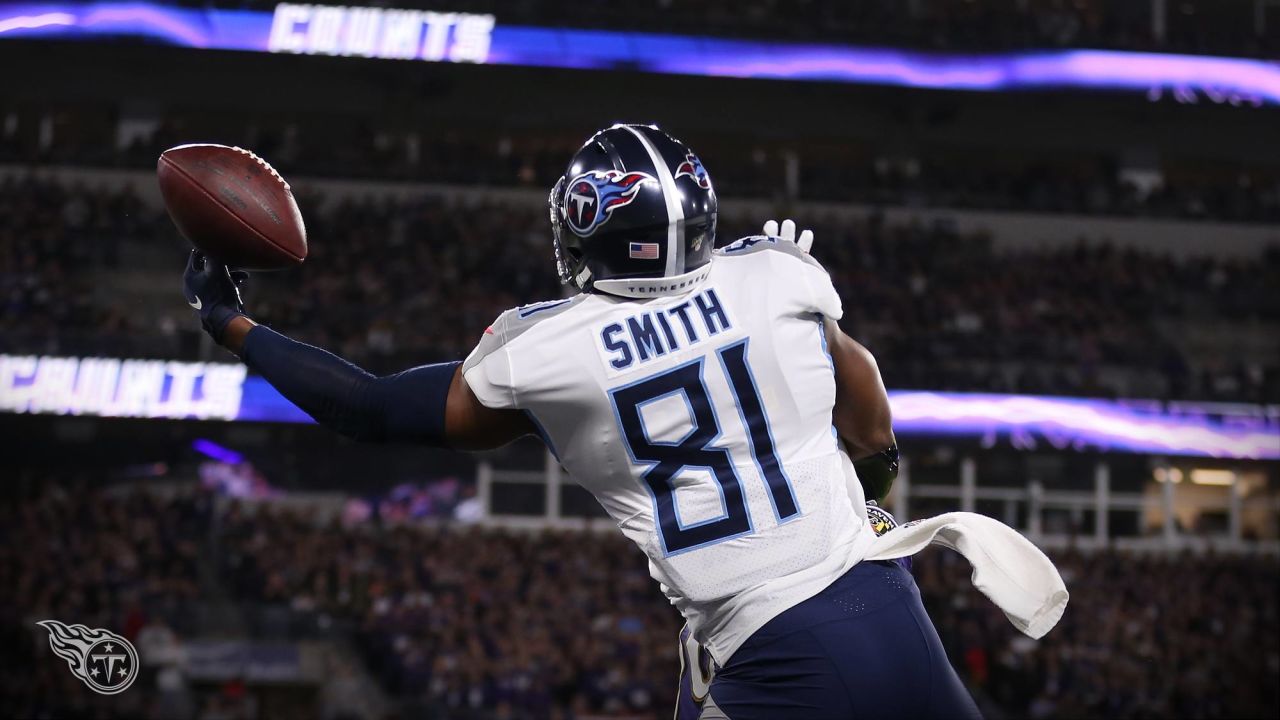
pixel 655 333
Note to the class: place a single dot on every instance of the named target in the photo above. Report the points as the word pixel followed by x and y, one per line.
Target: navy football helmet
pixel 634 215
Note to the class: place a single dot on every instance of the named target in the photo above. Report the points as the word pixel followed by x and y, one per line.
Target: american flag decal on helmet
pixel 644 251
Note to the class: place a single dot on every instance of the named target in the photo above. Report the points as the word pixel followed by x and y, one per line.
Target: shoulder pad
pixel 513 323
pixel 759 243
pixel 751 244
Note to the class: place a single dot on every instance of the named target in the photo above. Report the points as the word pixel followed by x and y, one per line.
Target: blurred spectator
pixel 393 283
pixel 1144 636
pixel 742 168
pixel 485 623
pixel 73 552
pixel 535 621
pixel 57 244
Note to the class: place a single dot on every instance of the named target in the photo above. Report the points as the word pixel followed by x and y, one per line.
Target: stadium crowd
pixel 477 623
pixel 941 309
pixel 472 620
pixel 72 552
pixel 848 172
pixel 1226 27
pixel 53 240
pixel 1145 635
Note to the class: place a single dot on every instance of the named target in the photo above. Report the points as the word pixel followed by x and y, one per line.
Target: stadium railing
pixel 1023 506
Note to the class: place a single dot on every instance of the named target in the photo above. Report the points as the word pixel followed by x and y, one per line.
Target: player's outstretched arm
pixel 430 404
pixel 861 415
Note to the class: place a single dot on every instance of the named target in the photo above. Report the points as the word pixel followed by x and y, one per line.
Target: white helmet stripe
pixel 675 209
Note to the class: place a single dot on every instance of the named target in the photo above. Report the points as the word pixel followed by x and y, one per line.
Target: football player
pixel 703 397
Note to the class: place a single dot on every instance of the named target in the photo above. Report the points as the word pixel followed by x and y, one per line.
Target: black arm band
pixel 407 406
pixel 877 473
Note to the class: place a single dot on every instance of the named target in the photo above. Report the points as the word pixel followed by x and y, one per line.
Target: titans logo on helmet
pixel 692 167
pixel 591 198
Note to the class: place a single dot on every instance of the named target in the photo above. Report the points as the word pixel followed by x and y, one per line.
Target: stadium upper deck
pixel 1243 28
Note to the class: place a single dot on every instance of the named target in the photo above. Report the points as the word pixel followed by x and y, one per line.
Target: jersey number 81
pixel 666 460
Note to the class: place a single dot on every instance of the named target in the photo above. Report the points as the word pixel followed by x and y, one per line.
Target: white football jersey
pixel 701 421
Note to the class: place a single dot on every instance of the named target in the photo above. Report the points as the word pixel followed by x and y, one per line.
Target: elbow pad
pixel 877 472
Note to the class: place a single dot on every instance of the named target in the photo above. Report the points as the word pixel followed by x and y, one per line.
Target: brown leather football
pixel 233 206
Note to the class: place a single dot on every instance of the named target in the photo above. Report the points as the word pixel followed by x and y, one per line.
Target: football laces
pixel 266 165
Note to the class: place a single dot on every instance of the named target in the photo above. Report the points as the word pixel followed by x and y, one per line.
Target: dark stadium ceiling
pixel 473 38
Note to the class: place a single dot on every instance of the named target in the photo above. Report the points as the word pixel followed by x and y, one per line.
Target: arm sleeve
pixel 407 406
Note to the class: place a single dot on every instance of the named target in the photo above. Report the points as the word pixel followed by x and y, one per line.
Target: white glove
pixel 788 233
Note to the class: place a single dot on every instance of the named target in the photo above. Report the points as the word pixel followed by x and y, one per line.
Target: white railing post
pixel 1035 507
pixel 1101 502
pixel 968 484
pixel 484 487
pixel 1159 19
pixel 791 173
pixel 1235 509
pixel 901 495
pixel 551 469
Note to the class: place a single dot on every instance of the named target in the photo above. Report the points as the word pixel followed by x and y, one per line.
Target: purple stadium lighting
pixel 122 18
pixel 475 38
pixel 1082 424
pixel 211 449
pixel 18 23
pixel 107 387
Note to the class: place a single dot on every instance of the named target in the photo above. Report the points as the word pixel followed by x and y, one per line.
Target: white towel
pixel 1007 568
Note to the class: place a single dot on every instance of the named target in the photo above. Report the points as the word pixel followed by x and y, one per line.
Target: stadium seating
pixel 942 309
pixel 1116 236
pixel 556 624
pixel 850 171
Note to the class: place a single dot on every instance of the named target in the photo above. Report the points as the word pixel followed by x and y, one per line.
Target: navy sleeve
pixel 407 406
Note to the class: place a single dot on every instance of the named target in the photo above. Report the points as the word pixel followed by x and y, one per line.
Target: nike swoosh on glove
pixel 213 292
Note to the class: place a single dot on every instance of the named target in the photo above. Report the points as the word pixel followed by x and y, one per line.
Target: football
pixel 233 206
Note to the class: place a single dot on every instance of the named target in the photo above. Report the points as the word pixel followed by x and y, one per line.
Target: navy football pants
pixel 862 648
